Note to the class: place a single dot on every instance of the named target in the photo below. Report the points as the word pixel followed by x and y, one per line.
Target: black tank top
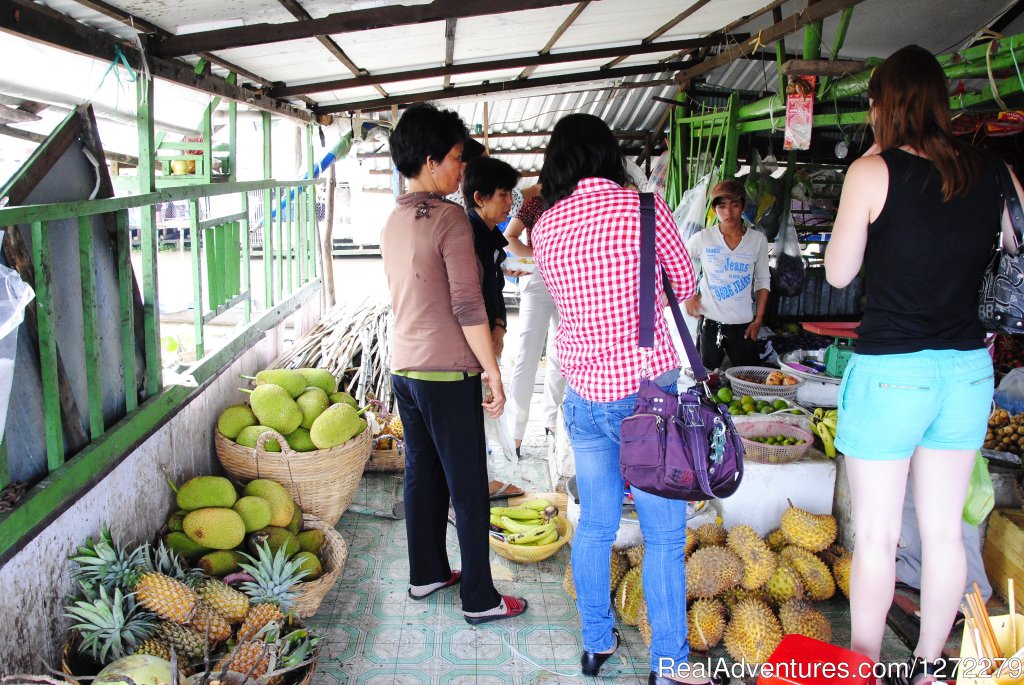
pixel 925 259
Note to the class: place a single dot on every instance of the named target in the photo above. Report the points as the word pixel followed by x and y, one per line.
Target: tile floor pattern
pixel 375 635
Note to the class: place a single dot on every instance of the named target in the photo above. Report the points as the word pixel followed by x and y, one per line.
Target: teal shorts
pixel 891 403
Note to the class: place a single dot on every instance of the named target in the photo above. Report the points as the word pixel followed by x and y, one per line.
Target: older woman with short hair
pixel 442 350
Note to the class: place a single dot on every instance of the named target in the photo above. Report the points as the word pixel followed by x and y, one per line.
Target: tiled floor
pixel 375 634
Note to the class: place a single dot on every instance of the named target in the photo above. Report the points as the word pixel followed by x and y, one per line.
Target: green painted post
pixel 90 328
pixel 837 45
pixel 268 223
pixel 126 309
pixel 732 138
pixel 280 207
pixel 47 346
pixel 232 134
pixel 148 237
pixel 288 246
pixel 300 242
pixel 207 146
pixel 310 226
pixel 197 276
pixel 214 268
pixel 245 265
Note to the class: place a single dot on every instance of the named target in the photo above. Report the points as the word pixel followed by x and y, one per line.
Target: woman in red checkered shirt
pixel 587 247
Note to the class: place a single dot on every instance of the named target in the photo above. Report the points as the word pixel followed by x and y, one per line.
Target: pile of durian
pixel 743 589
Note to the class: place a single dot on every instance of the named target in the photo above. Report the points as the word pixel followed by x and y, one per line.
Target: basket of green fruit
pixel 774 442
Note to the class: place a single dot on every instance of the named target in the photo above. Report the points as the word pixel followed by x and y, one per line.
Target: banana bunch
pixel 531 523
pixel 825 423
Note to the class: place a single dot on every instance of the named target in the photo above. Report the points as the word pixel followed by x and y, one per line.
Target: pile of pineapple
pixel 743 589
pixel 215 524
pixel 389 433
pixel 145 600
pixel 303 405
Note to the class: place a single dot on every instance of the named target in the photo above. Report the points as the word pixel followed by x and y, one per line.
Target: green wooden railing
pixel 220 280
pixel 700 144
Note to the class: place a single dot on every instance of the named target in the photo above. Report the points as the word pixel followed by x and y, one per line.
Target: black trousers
pixel 742 351
pixel 446 458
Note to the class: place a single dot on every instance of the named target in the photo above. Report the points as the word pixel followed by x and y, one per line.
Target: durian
pixel 841 572
pixel 753 632
pixel 643 624
pixel 785 584
pixel 711 571
pixel 619 567
pixel 817 579
pixel 733 596
pixel 705 624
pixel 567 583
pixel 814 532
pixel 759 562
pixel 691 542
pixel 628 596
pixel 776 540
pixel 800 618
pixel 635 555
pixel 710 535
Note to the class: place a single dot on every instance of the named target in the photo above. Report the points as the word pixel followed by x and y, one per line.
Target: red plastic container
pixel 799 660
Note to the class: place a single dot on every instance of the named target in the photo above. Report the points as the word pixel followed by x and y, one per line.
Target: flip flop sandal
pixel 507 490
pixel 455 577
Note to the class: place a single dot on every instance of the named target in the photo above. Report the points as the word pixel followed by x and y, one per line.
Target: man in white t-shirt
pixel 732 265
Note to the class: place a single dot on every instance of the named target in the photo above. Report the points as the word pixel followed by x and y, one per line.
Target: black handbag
pixel 1001 297
pixel 682 446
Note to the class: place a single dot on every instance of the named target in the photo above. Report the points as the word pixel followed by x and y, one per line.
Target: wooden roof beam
pixel 341 22
pixel 562 28
pixel 495 65
pixel 822 67
pixel 300 13
pixel 502 86
pixel 792 24
pixel 449 48
pixel 41 24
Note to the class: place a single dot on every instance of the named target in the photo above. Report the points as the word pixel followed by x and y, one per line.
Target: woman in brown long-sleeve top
pixel 442 349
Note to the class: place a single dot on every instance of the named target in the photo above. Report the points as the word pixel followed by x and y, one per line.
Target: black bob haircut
pixel 472 149
pixel 581 146
pixel 485 175
pixel 424 132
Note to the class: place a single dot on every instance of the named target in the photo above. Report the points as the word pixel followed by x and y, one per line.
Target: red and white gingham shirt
pixel 587 247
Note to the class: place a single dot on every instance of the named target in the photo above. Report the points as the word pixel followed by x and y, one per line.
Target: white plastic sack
pixel 788 274
pixel 692 210
pixel 1010 393
pixel 15 295
pixel 497 434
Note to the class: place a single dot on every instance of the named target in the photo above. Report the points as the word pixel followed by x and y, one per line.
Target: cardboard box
pixel 969 665
pixel 1003 553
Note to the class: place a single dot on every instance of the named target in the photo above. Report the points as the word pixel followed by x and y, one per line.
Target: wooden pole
pixel 327 249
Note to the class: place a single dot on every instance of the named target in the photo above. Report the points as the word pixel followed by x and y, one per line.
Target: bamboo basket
pixel 333 557
pixel 529 554
pixel 322 482
pixel 387 460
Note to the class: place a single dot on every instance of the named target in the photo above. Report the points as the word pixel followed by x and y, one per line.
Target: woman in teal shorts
pixel 921 213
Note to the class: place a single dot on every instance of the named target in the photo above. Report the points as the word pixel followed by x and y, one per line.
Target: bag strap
pixel 1012 200
pixel 647 263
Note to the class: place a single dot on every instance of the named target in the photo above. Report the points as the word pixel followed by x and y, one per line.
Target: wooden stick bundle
pixel 985 638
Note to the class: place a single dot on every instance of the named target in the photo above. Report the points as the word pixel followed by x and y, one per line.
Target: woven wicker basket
pixel 528 554
pixel 333 557
pixel 387 460
pixel 773 454
pixel 750 380
pixel 322 482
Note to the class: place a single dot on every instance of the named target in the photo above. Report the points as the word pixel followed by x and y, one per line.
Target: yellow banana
pixel 832 414
pixel 830 422
pixel 819 413
pixel 516 513
pixel 536 504
pixel 496 521
pixel 534 534
pixel 551 536
pixel 514 526
pixel 826 439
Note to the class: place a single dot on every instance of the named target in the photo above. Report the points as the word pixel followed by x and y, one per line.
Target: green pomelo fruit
pixel 206 491
pixel 137 669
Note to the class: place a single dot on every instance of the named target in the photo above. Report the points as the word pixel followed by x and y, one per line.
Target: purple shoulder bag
pixel 681 446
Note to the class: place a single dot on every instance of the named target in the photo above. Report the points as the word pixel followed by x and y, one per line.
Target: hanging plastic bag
pixel 788 274
pixel 15 295
pixel 981 495
pixel 692 210
pixel 1010 393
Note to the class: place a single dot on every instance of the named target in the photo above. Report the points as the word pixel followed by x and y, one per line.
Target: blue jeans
pixel 593 428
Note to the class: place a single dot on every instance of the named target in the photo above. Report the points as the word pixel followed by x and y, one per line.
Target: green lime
pixel 750 411
pixel 795 411
pixel 780 404
pixel 725 395
pixel 746 399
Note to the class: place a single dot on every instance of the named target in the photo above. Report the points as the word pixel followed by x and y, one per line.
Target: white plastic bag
pixel 692 210
pixel 1010 393
pixel 15 295
pixel 788 274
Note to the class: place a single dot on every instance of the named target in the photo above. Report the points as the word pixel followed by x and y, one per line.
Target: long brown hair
pixel 910 106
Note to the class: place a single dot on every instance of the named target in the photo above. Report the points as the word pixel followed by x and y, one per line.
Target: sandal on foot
pixel 505 490
pixel 513 606
pixel 908 672
pixel 453 579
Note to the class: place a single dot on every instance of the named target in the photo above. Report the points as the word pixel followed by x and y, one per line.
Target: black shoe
pixel 940 669
pixel 655 679
pixel 590 663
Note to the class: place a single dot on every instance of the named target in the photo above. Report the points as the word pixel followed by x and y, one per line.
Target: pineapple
pixel 252 658
pixel 270 591
pixel 229 602
pixel 105 564
pixel 185 641
pixel 154 648
pixel 166 597
pixel 271 652
pixel 395 427
pixel 206 621
pixel 111 625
